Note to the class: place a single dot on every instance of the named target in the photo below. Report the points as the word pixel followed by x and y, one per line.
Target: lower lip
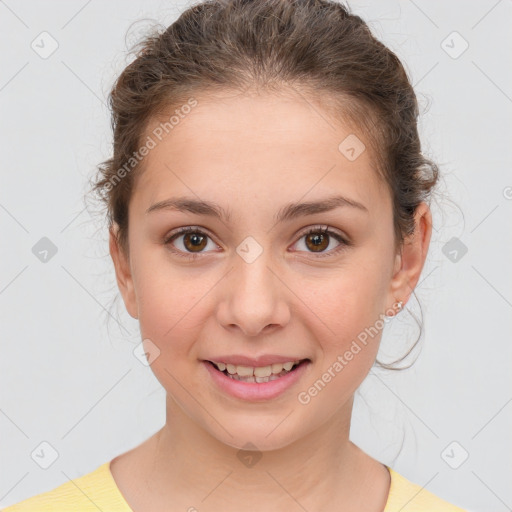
pixel 256 391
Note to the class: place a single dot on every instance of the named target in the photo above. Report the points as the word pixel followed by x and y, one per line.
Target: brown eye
pixel 189 242
pixel 318 239
pixel 193 241
pixel 317 242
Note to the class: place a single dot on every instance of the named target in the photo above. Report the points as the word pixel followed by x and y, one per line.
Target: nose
pixel 255 298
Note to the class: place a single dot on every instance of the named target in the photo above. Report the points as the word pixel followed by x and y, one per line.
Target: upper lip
pixel 263 360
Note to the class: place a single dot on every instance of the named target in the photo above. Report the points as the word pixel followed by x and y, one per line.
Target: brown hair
pixel 316 47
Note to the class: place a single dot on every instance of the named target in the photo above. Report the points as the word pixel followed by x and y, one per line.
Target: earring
pixel 396 309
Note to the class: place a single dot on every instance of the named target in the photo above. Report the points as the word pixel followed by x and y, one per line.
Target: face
pixel 265 279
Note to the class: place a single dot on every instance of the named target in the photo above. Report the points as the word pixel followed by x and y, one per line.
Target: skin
pixel 252 154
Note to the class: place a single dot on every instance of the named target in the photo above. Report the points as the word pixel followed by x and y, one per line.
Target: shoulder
pixel 91 492
pixel 406 496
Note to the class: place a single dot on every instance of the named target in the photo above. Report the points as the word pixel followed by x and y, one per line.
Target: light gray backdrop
pixel 76 387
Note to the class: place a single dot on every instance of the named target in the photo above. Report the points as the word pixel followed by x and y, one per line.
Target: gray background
pixel 68 374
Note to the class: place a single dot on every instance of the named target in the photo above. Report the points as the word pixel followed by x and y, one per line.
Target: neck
pixel 194 468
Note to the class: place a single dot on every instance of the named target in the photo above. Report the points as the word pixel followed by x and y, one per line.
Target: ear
pixel 123 272
pixel 411 259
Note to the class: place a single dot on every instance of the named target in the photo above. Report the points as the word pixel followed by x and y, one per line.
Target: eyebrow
pixel 288 212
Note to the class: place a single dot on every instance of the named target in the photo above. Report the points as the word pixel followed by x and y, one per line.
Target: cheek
pixel 346 319
pixel 345 302
pixel 171 305
pixel 171 316
pixel 347 329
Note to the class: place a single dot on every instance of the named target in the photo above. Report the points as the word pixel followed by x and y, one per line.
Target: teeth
pixel 257 374
pixel 263 371
pixel 245 371
pixel 265 379
pixel 254 379
pixel 277 368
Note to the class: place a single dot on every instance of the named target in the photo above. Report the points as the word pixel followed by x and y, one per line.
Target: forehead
pixel 266 145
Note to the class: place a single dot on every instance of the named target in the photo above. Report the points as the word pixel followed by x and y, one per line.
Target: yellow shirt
pixel 97 490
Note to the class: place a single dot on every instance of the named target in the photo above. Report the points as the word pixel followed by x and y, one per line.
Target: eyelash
pixel 325 230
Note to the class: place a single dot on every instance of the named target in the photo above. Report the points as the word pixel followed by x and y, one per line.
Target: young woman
pixel 268 207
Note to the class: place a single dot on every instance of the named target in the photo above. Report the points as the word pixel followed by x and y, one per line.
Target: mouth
pixel 256 383
pixel 258 374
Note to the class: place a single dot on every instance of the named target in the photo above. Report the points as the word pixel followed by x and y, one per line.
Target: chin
pixel 258 434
